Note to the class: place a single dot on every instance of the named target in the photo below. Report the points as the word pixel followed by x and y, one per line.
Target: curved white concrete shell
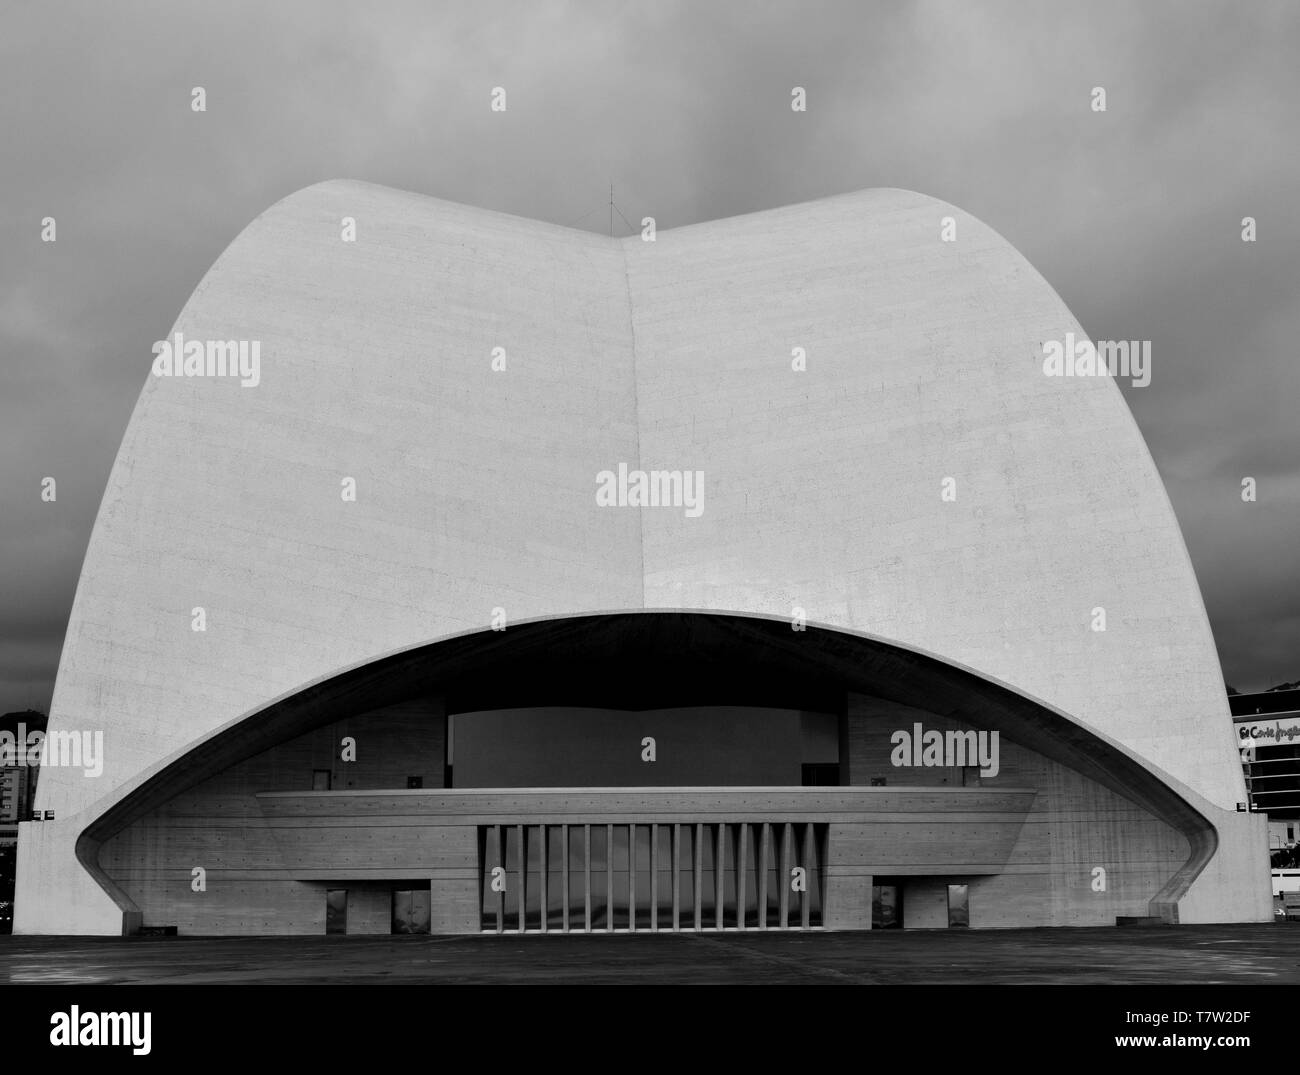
pixel 476 487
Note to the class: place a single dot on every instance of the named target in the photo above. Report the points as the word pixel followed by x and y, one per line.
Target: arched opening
pixel 657 770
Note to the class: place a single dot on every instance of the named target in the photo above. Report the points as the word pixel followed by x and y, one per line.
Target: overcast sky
pixel 1134 215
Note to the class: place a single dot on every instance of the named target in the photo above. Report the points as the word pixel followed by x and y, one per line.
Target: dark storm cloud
pixel 1132 215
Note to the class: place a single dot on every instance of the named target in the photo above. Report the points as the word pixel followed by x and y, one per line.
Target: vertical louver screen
pixel 652 877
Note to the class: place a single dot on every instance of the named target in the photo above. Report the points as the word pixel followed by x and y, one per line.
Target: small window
pixel 878 782
pixel 970 776
pixel 415 781
pixel 320 780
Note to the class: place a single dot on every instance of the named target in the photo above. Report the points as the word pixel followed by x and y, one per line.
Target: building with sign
pixel 477 574
pixel 1267 725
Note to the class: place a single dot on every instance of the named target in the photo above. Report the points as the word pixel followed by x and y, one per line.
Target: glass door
pixel 411 911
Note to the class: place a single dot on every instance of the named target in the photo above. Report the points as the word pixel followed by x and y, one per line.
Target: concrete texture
pixel 476 489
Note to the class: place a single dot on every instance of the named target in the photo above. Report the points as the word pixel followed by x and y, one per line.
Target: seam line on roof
pixel 636 415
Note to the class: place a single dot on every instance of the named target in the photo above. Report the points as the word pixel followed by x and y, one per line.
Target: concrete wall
pixel 1025 841
pixel 1075 826
pixel 219 827
pixel 1233 886
pixel 476 489
pixel 925 903
pixel 270 847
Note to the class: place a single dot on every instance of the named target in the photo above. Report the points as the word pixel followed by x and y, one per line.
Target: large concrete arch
pixel 476 488
pixel 748 660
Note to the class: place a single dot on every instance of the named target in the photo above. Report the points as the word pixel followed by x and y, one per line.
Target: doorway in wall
pixel 411 910
pixel 336 910
pixel 887 904
pixel 958 905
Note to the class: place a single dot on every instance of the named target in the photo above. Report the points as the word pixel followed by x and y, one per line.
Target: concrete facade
pixel 475 488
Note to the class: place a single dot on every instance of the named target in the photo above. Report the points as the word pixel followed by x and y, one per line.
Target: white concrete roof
pixel 476 489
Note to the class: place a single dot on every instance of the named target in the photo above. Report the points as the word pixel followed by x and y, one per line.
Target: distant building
pixel 17 790
pixel 17 776
pixel 17 797
pixel 1268 734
